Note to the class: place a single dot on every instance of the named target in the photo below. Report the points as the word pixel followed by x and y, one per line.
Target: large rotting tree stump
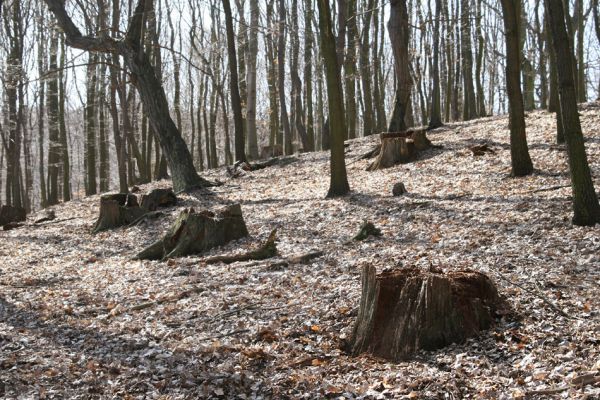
pixel 10 214
pixel 406 310
pixel 400 147
pixel 117 210
pixel 195 232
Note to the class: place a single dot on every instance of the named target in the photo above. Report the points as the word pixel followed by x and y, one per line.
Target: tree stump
pixel 117 210
pixel 9 214
pixel 158 198
pixel 399 148
pixel 406 310
pixel 195 232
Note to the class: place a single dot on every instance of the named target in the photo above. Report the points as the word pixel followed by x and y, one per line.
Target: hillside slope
pixel 80 319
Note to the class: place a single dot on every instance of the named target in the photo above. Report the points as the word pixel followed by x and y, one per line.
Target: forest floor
pixel 80 319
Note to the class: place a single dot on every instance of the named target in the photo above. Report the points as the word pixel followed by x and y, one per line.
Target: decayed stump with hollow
pixel 406 310
pixel 400 147
pixel 195 232
pixel 117 210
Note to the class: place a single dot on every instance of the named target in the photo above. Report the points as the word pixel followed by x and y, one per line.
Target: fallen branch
pixel 554 390
pixel 538 294
pixel 152 214
pixel 548 189
pixel 166 299
pixel 267 250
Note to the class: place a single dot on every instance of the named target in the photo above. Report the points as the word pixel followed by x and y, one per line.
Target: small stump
pixel 399 189
pixel 10 214
pixel 117 210
pixel 158 198
pixel 195 232
pixel 400 147
pixel 406 310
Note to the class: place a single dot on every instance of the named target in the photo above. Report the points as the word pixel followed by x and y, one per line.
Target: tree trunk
pixel 236 102
pixel 435 117
pixel 520 160
pixel 585 201
pixel 338 185
pixel 407 310
pixel 287 132
pixel 469 101
pixel 365 71
pixel 251 80
pixel 399 36
pixel 149 86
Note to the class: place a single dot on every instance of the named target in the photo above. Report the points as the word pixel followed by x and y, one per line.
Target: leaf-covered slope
pixel 80 319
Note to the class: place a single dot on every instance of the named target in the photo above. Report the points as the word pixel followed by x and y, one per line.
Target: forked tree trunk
pixel 407 310
pixel 195 232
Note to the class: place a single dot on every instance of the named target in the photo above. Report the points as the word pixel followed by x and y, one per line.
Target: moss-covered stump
pixel 399 148
pixel 406 310
pixel 10 214
pixel 195 232
pixel 158 198
pixel 117 210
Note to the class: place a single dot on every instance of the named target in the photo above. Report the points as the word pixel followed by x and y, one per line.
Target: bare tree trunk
pixel 287 132
pixel 308 78
pixel 251 80
pixel 53 124
pixel 41 97
pixel 365 69
pixel 435 118
pixel 338 185
pixel 585 201
pixel 399 36
pixel 469 101
pixel 236 102
pixel 521 162
pixel 149 86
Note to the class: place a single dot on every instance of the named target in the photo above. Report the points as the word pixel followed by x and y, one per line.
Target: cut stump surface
pixel 407 310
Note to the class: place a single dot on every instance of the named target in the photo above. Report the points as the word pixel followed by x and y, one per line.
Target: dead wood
pixel 400 147
pixel 154 214
pixel 117 210
pixel 158 198
pixel 481 149
pixel 266 250
pixel 48 215
pixel 195 232
pixel 403 311
pixel 12 225
pixel 241 167
pixel 10 214
pixel 304 258
pixel 367 229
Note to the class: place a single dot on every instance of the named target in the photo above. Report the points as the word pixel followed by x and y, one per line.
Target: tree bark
pixel 149 86
pixel 236 101
pixel 585 200
pixel 399 36
pixel 338 185
pixel 520 160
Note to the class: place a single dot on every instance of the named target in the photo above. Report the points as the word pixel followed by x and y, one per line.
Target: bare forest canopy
pixel 73 123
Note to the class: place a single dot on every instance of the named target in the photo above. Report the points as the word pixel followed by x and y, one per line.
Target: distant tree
pixel 435 117
pixel 339 182
pixel 585 200
pixel 521 162
pixel 149 86
pixel 236 101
